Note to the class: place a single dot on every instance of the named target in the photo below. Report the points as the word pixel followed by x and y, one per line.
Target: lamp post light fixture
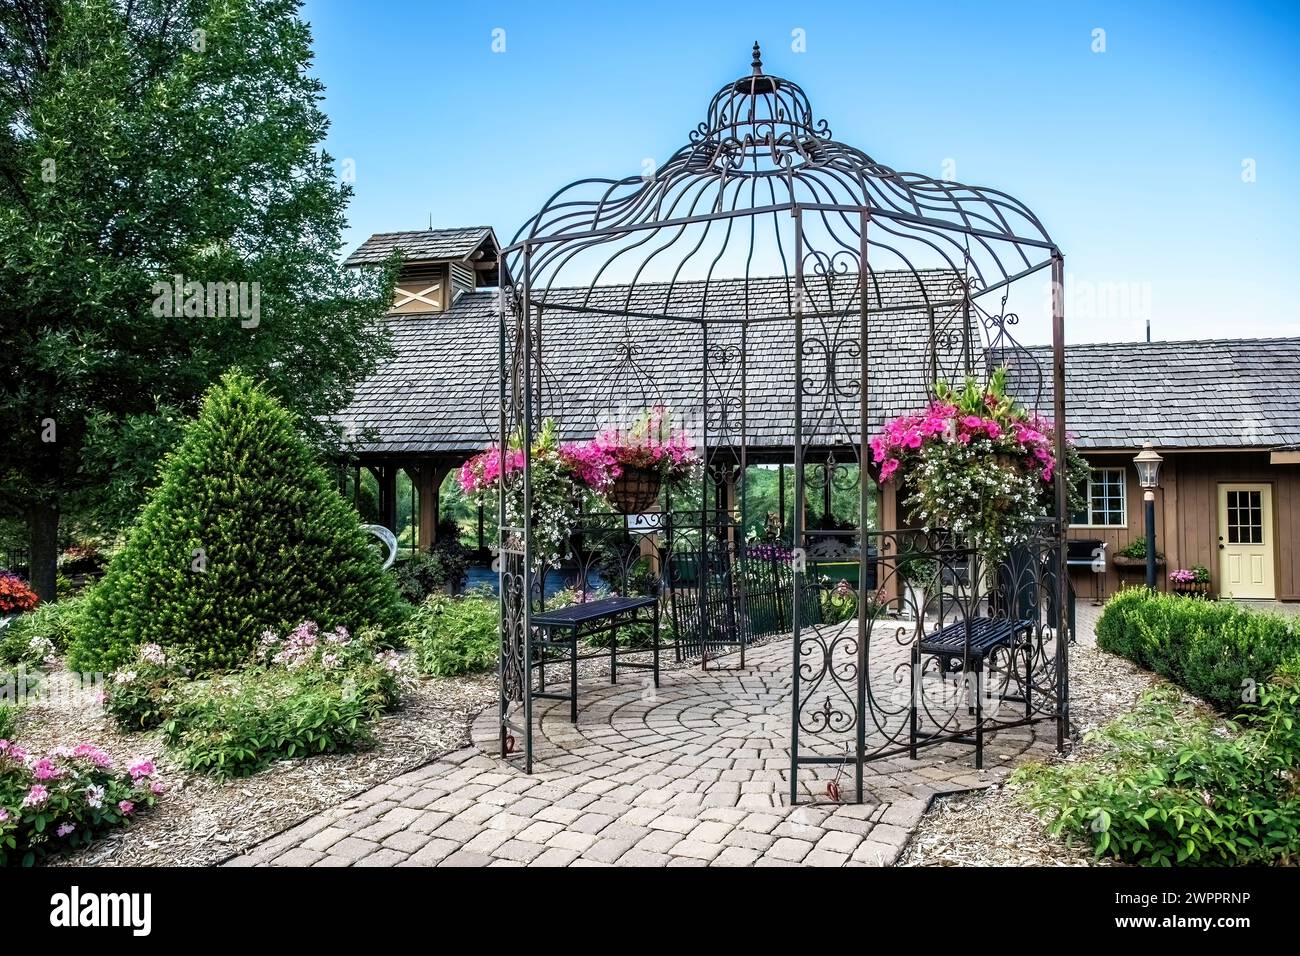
pixel 1147 463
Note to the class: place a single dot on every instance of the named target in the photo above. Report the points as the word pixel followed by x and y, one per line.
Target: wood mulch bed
pixel 991 827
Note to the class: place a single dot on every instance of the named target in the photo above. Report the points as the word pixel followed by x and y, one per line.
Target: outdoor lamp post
pixel 1147 463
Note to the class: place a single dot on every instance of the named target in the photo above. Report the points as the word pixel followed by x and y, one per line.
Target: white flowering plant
pixel 142 694
pixel 975 463
pixel 310 690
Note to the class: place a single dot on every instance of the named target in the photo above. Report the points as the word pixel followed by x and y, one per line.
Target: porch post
pixel 1062 583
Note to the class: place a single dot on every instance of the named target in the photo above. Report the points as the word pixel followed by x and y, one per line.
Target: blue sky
pixel 1136 158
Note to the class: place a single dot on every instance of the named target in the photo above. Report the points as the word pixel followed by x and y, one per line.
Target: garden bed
pixel 201 821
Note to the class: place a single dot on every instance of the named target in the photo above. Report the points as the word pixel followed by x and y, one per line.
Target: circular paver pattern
pixel 695 772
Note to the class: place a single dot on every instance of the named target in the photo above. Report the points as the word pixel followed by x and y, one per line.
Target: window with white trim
pixel 1107 505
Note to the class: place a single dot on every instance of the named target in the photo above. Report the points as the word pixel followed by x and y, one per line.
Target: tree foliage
pixel 142 140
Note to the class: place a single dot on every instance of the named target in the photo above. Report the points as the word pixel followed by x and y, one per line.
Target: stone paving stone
pixel 591 823
pixel 325 838
pixel 836 841
pixel 407 841
pixel 457 830
pixel 572 840
pixel 875 854
pixel 849 825
pixel 736 856
pixel 554 856
pixel 697 849
pixel 382 857
pixel 478 814
pixel 508 822
pixel 487 841
pixel 818 857
pixel 539 832
pixel 518 850
pixel 466 858
pixel 659 841
pixel 639 857
pixel 298 856
pixel 711 831
pixel 352 848
pixel 433 852
pixel 561 815
pixel 607 851
pixel 677 824
pixel 759 822
pixel 422 798
pixel 429 821
pixel 904 814
pixel 890 834
pixel 788 848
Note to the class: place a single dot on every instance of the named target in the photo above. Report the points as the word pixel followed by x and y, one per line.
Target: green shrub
pixel 309 692
pixel 454 635
pixel 50 625
pixel 445 568
pixel 8 720
pixel 245 531
pixel 1175 787
pixel 1218 650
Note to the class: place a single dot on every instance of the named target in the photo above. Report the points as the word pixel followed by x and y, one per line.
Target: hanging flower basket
pixel 636 490
pixel 975 463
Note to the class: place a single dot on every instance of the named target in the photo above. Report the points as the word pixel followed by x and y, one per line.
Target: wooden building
pixel 1224 414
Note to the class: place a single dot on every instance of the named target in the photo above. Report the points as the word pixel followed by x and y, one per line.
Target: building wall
pixel 1187 516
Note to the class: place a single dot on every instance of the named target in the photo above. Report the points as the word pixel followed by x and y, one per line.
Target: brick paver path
pixel 695 773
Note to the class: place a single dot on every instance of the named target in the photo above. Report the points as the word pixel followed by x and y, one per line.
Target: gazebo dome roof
pixel 759 117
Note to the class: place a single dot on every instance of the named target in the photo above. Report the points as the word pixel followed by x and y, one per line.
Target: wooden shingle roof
pixel 438 393
pixel 1214 393
pixel 421 245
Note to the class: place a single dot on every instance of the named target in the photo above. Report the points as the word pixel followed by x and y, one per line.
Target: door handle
pixel 1220 547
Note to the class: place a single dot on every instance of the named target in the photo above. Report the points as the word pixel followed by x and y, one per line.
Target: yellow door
pixel 1246 541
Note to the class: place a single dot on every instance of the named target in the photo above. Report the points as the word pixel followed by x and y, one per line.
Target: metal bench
pixel 965 645
pixel 603 616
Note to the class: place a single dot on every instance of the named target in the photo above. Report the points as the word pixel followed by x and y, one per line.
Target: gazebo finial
pixel 758 60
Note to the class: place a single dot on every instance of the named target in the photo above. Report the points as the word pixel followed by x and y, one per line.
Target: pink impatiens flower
pixel 126 806
pixel 65 829
pixel 36 797
pixel 141 768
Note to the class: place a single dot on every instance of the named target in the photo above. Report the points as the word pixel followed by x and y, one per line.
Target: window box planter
pixel 1191 588
pixel 1124 562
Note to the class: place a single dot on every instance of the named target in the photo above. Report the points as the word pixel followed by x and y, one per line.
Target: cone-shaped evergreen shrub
pixel 245 532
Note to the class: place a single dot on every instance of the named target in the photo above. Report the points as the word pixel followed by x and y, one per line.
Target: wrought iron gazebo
pixel 766 243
